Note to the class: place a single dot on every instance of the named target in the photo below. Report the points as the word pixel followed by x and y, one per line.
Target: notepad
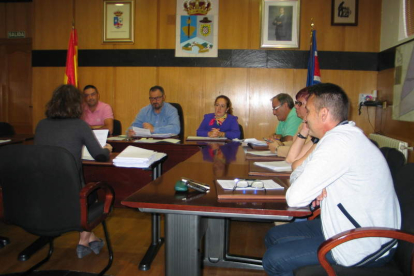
pixel 269 184
pixel 277 166
pixel 101 135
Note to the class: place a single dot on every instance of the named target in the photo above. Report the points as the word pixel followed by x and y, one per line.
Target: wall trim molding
pixel 284 59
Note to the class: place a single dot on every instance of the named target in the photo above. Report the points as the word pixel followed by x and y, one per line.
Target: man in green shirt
pixel 283 109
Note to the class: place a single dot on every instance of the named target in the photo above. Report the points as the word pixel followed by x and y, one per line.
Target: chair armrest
pixel 357 233
pixel 315 214
pixel 108 202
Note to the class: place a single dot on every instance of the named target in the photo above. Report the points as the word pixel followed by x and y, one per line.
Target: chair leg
pixel 4 241
pixel 50 241
pixel 110 253
pixel 33 248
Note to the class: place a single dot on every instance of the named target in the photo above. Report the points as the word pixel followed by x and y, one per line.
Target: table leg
pixel 183 235
pixel 156 243
pixel 216 249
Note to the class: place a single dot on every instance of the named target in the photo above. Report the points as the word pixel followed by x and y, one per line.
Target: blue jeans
pixel 293 245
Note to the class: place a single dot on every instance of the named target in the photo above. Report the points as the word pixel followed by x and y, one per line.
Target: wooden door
pixel 16 84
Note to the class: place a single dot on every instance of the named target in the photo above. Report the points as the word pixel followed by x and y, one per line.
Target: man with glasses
pixel 96 113
pixel 283 108
pixel 348 177
pixel 159 116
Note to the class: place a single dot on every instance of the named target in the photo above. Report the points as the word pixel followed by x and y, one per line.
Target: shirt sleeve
pixel 107 112
pixel 173 122
pixel 204 128
pixel 234 129
pixel 139 119
pixel 329 153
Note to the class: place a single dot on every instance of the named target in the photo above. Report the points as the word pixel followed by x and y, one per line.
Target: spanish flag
pixel 71 72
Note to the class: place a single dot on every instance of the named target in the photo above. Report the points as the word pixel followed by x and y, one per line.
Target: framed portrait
pixel 280 23
pixel 118 23
pixel 344 12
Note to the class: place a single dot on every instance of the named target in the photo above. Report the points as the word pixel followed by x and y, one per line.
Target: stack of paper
pixel 255 142
pixel 262 153
pixel 101 135
pixel 277 166
pixel 202 138
pixel 151 140
pixel 5 141
pixel 134 157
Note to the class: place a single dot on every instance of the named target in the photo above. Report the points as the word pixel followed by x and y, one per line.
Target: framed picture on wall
pixel 118 23
pixel 280 23
pixel 344 12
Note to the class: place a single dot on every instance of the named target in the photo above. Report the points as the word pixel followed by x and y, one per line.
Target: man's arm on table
pixel 322 169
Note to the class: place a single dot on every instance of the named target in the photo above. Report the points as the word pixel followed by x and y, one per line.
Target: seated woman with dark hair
pixel 221 123
pixel 64 128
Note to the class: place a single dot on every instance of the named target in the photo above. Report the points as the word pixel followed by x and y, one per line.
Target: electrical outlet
pixel 365 97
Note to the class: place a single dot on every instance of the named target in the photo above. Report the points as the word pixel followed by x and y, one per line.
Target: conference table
pixel 190 216
pixel 17 139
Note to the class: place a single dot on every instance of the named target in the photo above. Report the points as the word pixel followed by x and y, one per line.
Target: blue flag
pixel 314 74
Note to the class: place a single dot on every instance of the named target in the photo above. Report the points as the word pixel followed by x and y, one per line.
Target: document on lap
pixel 268 185
pixel 135 157
pixel 101 135
pixel 278 166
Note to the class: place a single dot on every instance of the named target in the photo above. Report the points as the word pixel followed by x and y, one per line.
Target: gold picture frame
pixel 280 23
pixel 118 22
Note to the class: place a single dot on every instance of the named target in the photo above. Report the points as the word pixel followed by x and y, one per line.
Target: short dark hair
pixel 90 86
pixel 228 103
pixel 285 98
pixel 66 103
pixel 333 98
pixel 157 87
pixel 304 92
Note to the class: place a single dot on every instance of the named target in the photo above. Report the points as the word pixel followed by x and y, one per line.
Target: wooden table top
pixel 160 194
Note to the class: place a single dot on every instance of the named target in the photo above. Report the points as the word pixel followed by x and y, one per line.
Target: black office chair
pixel 43 194
pixel 402 262
pixel 117 128
pixel 6 129
pixel 180 113
pixel 395 159
pixel 241 132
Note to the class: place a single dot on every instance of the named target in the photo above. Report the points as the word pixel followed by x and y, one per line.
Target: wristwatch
pixel 301 136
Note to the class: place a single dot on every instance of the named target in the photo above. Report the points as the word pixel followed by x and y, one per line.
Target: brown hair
pixel 66 103
pixel 228 102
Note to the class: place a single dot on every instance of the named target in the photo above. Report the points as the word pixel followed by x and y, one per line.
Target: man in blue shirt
pixel 158 116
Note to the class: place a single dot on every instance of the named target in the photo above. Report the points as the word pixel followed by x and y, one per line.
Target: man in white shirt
pixel 350 179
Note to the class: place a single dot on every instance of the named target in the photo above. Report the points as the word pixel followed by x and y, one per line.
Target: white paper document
pixel 135 157
pixel 262 153
pixel 150 140
pixel 143 132
pixel 101 135
pixel 268 184
pixel 277 166
pixel 255 142
pixel 117 138
pixel 202 138
pixel 5 141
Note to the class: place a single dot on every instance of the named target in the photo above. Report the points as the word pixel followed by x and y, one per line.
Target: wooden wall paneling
pixel 89 25
pixel 3 33
pixel 102 78
pixel 166 24
pixel 52 24
pixel 145 28
pixel 254 24
pixel 232 82
pixel 234 19
pixel 264 85
pixel 45 81
pixel 131 86
pixel 366 36
pixel 385 125
pixel 354 83
pixel 185 85
pixel 19 17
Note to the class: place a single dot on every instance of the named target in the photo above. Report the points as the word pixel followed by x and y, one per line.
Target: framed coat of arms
pixel 118 21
